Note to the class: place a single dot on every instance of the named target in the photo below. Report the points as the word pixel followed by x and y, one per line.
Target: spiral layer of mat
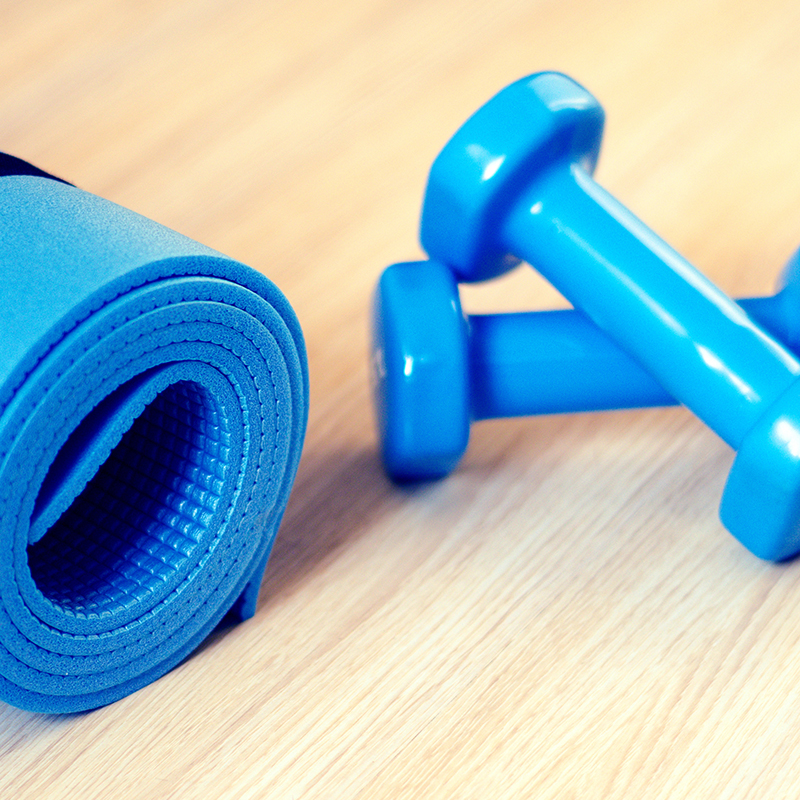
pixel 153 403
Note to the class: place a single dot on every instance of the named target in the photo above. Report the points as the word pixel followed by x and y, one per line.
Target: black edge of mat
pixel 11 165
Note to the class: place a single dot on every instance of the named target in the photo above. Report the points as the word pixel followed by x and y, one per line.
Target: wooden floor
pixel 563 617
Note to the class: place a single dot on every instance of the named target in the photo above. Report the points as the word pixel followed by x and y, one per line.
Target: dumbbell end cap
pixel 419 371
pixel 534 123
pixel 761 502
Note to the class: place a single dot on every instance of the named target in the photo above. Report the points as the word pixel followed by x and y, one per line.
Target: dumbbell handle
pixel 695 341
pixel 554 362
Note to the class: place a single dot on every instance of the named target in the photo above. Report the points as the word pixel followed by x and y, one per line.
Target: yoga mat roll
pixel 153 404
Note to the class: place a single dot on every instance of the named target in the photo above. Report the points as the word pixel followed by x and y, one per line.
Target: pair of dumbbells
pixel 515 183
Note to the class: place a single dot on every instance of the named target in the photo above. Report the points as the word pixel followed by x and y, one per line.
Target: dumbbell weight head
pixel 529 126
pixel 420 371
pixel 762 492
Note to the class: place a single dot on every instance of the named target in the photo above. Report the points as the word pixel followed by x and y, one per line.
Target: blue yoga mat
pixel 153 404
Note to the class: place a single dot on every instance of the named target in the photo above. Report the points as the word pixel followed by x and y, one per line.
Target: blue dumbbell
pixel 437 370
pixel 515 183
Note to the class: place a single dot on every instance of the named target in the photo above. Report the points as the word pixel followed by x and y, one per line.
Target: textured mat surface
pixel 153 403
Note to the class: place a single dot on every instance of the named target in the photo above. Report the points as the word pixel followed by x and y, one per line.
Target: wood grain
pixel 564 617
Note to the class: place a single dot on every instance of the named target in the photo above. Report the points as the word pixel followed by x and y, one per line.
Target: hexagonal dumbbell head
pixel 529 126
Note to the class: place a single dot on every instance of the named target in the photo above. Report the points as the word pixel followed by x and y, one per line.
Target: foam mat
pixel 153 404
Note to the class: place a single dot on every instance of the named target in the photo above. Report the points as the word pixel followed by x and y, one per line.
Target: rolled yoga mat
pixel 153 404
